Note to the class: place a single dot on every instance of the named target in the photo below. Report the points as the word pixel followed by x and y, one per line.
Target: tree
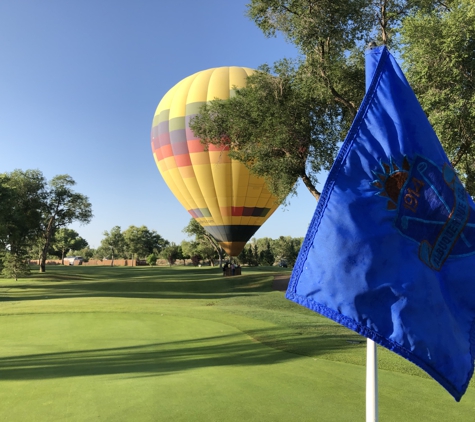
pixel 192 251
pixel 141 242
pixel 251 256
pixel 181 255
pixel 15 265
pixel 266 256
pixel 113 243
pixel 439 60
pixel 170 253
pixel 203 237
pixel 287 248
pixel 276 127
pixel 243 258
pixel 62 206
pixel 287 122
pixel 67 239
pixel 22 196
pixel 152 259
pixel 206 251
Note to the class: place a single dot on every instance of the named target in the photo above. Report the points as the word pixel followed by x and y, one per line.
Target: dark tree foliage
pixel 439 59
pixel 62 206
pixel 287 122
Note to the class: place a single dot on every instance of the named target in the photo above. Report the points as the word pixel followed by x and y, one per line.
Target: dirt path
pixel 281 282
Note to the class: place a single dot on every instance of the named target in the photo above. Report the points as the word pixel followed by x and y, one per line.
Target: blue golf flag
pixel 390 251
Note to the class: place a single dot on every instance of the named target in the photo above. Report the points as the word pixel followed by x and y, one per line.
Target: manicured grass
pixel 186 344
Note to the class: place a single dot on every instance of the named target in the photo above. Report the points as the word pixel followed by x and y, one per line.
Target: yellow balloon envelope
pixel 229 202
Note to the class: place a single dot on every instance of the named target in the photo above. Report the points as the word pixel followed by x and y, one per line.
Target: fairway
pixel 186 344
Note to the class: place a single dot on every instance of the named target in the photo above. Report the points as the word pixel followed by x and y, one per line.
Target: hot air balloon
pixel 220 193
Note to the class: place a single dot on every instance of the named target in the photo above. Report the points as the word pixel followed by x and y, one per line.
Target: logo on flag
pixel 431 208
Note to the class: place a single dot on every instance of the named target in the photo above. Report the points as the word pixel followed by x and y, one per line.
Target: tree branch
pixel 310 186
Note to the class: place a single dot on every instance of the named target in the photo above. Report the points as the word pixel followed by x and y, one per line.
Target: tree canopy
pixel 287 122
pixel 276 126
pixel 141 242
pixel 439 60
pixel 32 210
pixel 134 243
pixel 62 206
pixel 22 200
pixel 113 244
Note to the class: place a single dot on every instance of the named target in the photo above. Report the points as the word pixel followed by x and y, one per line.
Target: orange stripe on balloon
pixel 200 158
pixel 219 157
pixel 187 172
pixel 225 211
pixel 218 148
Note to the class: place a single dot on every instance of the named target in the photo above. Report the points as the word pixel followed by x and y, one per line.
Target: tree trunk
pixel 44 252
pixel 309 185
pixel 43 258
pixel 220 253
pixel 217 248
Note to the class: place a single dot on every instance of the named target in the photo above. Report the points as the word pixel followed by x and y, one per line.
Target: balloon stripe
pixel 195 145
pixel 183 160
pixel 164 139
pixel 229 233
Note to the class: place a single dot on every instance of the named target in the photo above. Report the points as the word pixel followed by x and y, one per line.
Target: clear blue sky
pixel 79 85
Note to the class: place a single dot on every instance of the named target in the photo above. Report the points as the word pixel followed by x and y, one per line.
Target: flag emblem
pixel 431 207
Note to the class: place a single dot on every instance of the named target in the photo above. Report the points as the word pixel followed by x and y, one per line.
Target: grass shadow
pixel 154 358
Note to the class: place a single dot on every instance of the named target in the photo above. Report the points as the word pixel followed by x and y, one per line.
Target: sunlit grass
pixel 102 343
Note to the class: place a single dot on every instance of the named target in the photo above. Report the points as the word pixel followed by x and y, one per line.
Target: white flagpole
pixel 371 381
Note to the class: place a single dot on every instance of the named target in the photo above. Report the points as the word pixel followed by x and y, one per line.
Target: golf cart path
pixel 281 282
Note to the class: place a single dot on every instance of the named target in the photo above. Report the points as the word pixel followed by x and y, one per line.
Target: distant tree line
pixel 35 213
pixel 257 252
pixel 132 243
pixel 147 245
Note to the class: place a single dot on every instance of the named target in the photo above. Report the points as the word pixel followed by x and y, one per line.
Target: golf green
pixel 192 356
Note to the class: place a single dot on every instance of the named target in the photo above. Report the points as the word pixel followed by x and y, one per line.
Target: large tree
pixel 277 127
pixel 32 210
pixel 140 242
pixel 62 206
pixel 286 123
pixel 22 195
pixel 171 253
pixel 439 59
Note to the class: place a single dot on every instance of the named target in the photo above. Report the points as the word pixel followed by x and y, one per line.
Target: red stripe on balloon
pixel 195 146
pixel 165 151
pixel 182 160
pixel 237 211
